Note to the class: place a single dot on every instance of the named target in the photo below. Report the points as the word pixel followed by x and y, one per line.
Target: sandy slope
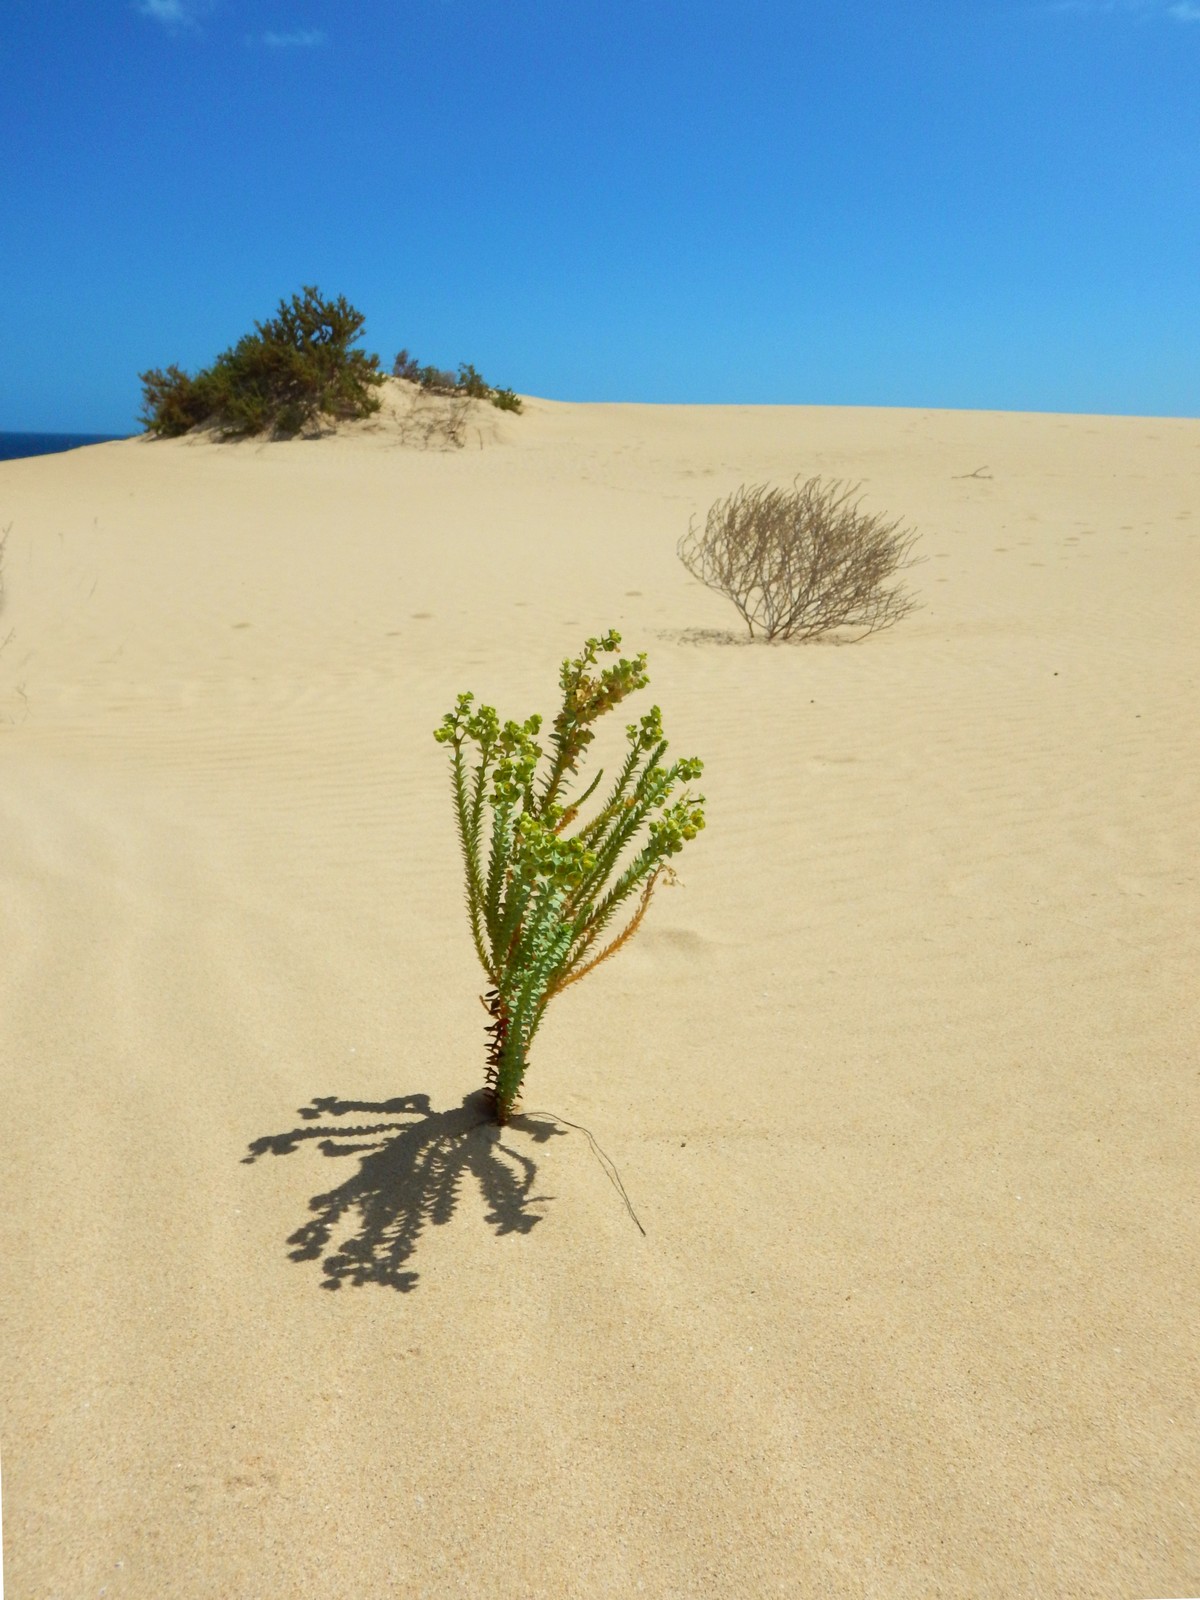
pixel 902 1082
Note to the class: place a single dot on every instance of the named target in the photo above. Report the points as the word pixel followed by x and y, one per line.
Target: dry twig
pixel 801 562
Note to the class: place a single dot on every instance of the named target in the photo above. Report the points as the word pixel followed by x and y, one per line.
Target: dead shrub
pixel 802 561
pixel 436 422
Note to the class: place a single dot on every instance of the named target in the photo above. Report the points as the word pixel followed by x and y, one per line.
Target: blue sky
pixel 962 203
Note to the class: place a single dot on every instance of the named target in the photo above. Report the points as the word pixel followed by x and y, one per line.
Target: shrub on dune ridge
pixel 172 402
pixel 300 366
pixel 469 383
pixel 802 562
pixel 539 897
pixel 292 370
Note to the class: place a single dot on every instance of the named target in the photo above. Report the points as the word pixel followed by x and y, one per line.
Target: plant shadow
pixel 410 1174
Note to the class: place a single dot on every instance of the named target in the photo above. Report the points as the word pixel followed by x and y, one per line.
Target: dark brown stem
pixel 497 1032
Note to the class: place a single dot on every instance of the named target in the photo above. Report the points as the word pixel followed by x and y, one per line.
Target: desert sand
pixel 900 1080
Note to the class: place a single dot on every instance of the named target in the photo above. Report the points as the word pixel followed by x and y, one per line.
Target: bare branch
pixel 801 562
pixel 437 420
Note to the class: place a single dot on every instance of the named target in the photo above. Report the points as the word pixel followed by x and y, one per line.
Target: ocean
pixel 15 445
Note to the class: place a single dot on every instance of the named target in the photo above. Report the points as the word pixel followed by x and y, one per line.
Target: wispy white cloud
pixel 172 12
pixel 1177 10
pixel 304 39
pixel 175 13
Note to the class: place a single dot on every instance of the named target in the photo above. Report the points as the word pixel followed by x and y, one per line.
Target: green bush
pixel 469 382
pixel 538 896
pixel 436 380
pixel 291 370
pixel 172 402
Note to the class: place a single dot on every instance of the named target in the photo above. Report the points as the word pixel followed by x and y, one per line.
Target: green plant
pixel 539 896
pixel 297 366
pixel 803 561
pixel 300 365
pixel 469 383
pixel 172 402
pixel 436 380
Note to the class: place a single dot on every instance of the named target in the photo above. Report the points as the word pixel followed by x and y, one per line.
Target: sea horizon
pixel 16 446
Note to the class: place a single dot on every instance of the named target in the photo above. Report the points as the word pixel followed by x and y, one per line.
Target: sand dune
pixel 901 1082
